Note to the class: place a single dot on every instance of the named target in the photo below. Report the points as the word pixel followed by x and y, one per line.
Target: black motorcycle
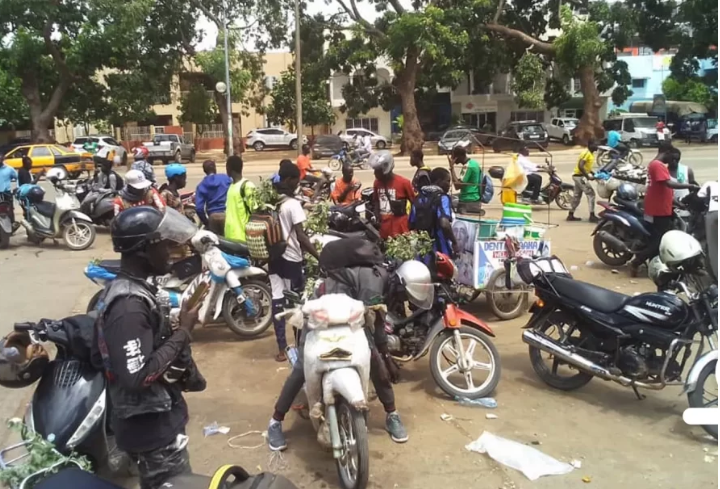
pixel 645 341
pixel 98 205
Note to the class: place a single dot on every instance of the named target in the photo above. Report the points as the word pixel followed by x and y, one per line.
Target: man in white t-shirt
pixel 530 168
pixel 286 272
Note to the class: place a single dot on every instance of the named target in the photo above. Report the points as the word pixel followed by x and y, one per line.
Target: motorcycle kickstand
pixel 641 397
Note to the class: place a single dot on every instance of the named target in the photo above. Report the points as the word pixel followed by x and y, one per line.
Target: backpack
pixel 486 189
pixel 350 252
pixel 119 182
pixel 426 212
pixel 264 234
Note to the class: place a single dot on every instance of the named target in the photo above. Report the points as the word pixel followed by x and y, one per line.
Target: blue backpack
pixel 486 189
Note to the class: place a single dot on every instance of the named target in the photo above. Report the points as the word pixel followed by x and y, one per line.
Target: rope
pixel 263 434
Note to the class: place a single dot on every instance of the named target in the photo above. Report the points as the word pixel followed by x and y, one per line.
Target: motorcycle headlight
pixel 89 422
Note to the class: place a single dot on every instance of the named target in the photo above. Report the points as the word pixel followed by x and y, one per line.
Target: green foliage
pixel 316 108
pixel 408 246
pixel 579 45
pixel 197 107
pixel 42 456
pixel 689 90
pixel 265 194
pixel 13 108
pixel 529 82
pixel 317 219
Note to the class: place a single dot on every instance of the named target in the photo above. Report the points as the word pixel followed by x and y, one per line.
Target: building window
pixel 369 123
pixel 638 83
pixel 530 115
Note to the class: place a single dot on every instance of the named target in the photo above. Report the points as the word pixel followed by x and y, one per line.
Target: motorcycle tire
pixel 233 313
pixel 635 159
pixel 79 245
pixel 335 164
pixel 696 398
pixel 564 199
pixel 547 375
pixel 495 287
pixel 93 302
pixel 436 352
pixel 603 250
pixel 4 240
pixel 351 424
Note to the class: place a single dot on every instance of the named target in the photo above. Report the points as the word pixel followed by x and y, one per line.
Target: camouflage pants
pixel 583 186
pixel 157 466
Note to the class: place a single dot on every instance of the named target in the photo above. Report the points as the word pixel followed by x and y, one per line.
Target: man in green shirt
pixel 469 186
pixel 240 201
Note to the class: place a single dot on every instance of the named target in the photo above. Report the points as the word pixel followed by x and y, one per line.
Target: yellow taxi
pixel 46 156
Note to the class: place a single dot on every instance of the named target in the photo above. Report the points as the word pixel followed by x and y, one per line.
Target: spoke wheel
pixel 705 394
pixel 353 465
pixel 564 199
pixel 606 253
pixel 505 303
pixel 236 315
pixel 78 235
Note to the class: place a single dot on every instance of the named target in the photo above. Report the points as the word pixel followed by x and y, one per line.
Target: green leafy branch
pixel 265 194
pixel 317 221
pixel 408 246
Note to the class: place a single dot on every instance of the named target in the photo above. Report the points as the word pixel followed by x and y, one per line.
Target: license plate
pixel 534 136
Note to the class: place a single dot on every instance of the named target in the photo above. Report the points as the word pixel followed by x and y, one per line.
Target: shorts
pixel 286 275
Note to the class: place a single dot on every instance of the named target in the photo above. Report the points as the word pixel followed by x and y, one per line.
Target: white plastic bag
pixel 531 462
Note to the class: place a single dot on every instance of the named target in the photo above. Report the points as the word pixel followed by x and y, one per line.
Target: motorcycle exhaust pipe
pixel 614 242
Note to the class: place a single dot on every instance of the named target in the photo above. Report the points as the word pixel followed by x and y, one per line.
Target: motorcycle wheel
pixel 604 158
pixel 236 317
pixel 446 344
pixel 635 158
pixel 505 304
pixel 550 375
pixel 353 466
pixel 335 164
pixel 564 199
pixel 78 235
pixel 605 253
pixel 4 240
pixel 92 303
pixel 701 398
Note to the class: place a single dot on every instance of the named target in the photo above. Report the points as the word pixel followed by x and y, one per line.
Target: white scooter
pixel 336 361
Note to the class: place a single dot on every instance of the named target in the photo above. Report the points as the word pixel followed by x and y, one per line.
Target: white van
pixel 637 130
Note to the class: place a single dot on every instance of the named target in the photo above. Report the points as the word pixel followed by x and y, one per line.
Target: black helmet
pixel 36 194
pixel 139 226
pixel 627 191
pixel 21 362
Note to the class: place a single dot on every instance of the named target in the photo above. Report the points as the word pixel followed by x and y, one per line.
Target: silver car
pixel 351 135
pixel 270 137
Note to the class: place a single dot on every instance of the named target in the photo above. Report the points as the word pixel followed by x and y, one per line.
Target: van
pixel 636 130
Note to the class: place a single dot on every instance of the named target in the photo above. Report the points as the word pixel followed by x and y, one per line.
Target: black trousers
pixel 534 185
pixel 159 465
pixel 660 226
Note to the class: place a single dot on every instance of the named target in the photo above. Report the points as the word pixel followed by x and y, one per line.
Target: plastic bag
pixel 531 462
pixel 515 177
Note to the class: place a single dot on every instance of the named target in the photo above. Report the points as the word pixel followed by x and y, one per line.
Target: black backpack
pixel 426 212
pixel 350 252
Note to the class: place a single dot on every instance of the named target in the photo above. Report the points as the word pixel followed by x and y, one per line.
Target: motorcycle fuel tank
pixel 66 393
pixel 656 308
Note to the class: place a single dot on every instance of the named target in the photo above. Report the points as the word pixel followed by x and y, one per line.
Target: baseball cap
pixel 136 179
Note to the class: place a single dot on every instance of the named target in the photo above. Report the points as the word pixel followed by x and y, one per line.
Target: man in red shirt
pixel 392 197
pixel 659 203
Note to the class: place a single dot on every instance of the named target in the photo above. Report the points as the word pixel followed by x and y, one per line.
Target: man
pixel 679 173
pixel 138 191
pixel 304 164
pixel 432 212
pixel 658 208
pixel 210 197
pixel 422 174
pixel 176 175
pixel 469 186
pixel 530 168
pixel 581 176
pixel 347 281
pixel 286 272
pixel 275 177
pixel 487 128
pixel 663 133
pixel 147 364
pixel 392 195
pixel 25 176
pixel 347 188
pixel 240 202
pixel 7 176
pixel 106 178
pixel 614 141
pixel 104 153
pixel 140 162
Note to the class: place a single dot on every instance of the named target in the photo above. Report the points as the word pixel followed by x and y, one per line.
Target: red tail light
pixel 444 266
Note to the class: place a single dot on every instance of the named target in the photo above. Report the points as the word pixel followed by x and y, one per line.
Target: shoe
pixel 634 270
pixel 394 426
pixel 572 218
pixel 593 218
pixel 281 357
pixel 276 437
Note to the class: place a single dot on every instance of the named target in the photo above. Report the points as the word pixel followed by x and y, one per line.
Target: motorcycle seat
pixel 589 295
pixel 350 234
pixel 236 248
pixel 45 208
pixel 634 206
pixel 112 266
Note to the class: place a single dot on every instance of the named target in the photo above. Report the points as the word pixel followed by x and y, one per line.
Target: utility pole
pixel 298 81
pixel 228 98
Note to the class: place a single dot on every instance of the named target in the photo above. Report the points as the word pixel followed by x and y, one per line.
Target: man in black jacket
pixel 147 363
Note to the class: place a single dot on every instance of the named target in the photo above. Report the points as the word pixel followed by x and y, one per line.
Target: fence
pixel 136 133
pixel 210 131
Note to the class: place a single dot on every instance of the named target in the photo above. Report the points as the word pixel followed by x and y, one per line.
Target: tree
pixel 197 107
pixel 316 108
pixel 689 90
pixel 58 43
pixel 13 108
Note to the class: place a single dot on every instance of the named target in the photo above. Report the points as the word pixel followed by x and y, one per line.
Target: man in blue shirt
pixel 614 140
pixel 210 197
pixel 7 176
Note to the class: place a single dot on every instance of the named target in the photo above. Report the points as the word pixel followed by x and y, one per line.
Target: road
pixel 622 442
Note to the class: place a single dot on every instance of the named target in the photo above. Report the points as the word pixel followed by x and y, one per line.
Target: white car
pixel 560 129
pixel 101 140
pixel 270 137
pixel 348 136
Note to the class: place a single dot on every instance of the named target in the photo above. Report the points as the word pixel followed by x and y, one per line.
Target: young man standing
pixel 469 186
pixel 240 201
pixel 286 272
pixel 432 212
pixel 25 175
pixel 392 195
pixel 210 197
pixel 581 176
pixel 346 189
pixel 422 174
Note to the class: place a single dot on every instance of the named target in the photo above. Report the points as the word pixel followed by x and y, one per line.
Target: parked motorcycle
pixel 6 219
pixel 606 155
pixel 555 190
pixel 643 341
pixel 99 206
pixel 62 219
pixel 350 221
pixel 344 157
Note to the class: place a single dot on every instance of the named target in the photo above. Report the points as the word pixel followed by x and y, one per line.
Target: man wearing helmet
pixel 392 195
pixel 176 175
pixel 140 156
pixel 147 363
pixel 137 191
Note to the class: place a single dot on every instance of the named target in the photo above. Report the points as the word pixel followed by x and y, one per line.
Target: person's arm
pixel 157 200
pixel 691 177
pixel 129 337
pixel 445 223
pixel 675 185
pixel 581 166
pixel 467 180
pixel 457 183
pixel 298 217
pixel 200 204
pixel 305 242
pixel 335 195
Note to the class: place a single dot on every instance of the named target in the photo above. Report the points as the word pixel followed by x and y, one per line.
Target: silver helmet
pixel 383 161
pixel 415 278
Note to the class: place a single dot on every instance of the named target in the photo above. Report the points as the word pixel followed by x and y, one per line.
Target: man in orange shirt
pixel 303 162
pixel 347 189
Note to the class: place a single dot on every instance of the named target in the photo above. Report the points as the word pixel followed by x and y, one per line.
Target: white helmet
pixel 658 272
pixel 415 278
pixel 677 247
pixel 383 161
pixel 56 172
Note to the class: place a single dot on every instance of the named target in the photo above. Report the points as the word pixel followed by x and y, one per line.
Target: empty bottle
pixel 486 402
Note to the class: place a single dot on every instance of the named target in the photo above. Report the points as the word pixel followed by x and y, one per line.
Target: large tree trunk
pixel 589 126
pixel 412 135
pixel 41 120
pixel 238 146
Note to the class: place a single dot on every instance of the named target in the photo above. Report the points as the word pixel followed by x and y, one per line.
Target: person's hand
pixel 694 188
pixel 591 176
pixel 189 317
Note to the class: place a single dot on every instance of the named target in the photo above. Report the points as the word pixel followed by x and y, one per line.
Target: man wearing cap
pixel 138 191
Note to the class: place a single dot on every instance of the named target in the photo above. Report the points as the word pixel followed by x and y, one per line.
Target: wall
pixel 653 69
pixel 383 117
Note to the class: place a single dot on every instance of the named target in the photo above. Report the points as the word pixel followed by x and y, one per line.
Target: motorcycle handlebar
pixel 22 327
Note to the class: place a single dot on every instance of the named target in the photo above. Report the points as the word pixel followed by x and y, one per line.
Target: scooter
pixel 554 190
pixel 45 220
pixel 336 362
pixel 6 219
pixel 97 205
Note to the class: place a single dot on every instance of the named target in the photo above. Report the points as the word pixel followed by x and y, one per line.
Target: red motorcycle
pixel 463 360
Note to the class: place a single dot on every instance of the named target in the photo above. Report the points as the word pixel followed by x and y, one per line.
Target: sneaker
pixel 276 437
pixel 394 426
pixel 593 218
pixel 572 218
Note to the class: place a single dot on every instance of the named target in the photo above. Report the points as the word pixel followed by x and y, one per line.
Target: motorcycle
pixel 350 221
pixel 306 192
pixel 555 190
pixel 188 201
pixel 98 205
pixel 70 403
pixel 336 362
pixel 643 341
pixel 702 222
pixel 6 219
pixel 606 155
pixel 344 158
pixel 62 219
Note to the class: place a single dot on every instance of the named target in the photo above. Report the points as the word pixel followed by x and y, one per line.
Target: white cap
pixel 117 160
pixel 136 179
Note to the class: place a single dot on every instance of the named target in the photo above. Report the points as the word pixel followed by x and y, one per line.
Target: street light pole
pixel 298 81
pixel 228 98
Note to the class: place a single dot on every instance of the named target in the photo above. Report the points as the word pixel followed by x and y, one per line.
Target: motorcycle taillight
pixel 5 208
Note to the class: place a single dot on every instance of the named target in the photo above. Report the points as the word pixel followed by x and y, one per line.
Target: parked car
pixel 102 140
pixel 561 129
pixel 466 137
pixel 271 137
pixel 327 145
pixel 348 135
pixel 46 156
pixel 635 129
pixel 6 148
pixel 530 133
pixel 712 131
pixel 168 148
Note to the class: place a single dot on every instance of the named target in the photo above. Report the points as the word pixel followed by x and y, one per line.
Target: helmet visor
pixel 422 295
pixel 175 227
